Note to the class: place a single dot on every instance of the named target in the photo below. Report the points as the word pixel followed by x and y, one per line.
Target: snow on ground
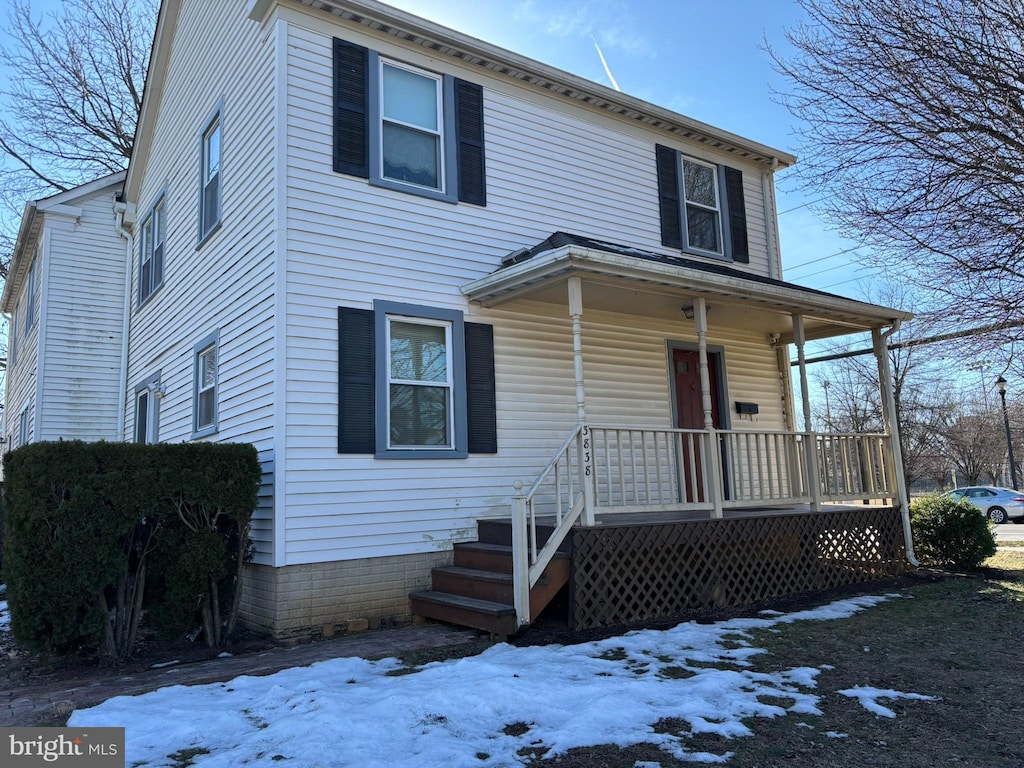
pixel 868 698
pixel 478 711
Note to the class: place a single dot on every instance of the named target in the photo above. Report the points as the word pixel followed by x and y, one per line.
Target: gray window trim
pixel 152 385
pixel 449 193
pixel 723 210
pixel 206 230
pixel 210 340
pixel 382 310
pixel 147 219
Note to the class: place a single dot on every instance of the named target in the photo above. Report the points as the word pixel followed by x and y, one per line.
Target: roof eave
pixel 472 51
pixel 511 282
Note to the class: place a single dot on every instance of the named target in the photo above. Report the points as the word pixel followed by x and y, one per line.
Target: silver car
pixel 997 504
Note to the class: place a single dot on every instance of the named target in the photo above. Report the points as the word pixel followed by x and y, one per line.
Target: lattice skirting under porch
pixel 631 573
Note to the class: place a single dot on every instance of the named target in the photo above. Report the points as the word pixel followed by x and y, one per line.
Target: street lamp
pixel 1001 386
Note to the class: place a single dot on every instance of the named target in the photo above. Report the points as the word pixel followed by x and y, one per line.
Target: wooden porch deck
pixel 635 567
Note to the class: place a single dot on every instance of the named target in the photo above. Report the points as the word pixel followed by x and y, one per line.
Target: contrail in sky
pixel 607 69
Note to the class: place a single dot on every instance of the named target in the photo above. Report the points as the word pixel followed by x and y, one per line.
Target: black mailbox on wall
pixel 746 409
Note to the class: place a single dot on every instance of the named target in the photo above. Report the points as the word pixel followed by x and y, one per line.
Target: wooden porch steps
pixel 477 589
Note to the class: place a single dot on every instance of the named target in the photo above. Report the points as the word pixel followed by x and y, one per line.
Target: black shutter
pixel 668 196
pixel 481 411
pixel 737 215
pixel 356 413
pixel 351 113
pixel 469 132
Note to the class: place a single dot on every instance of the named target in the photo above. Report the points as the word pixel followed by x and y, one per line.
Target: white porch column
pixel 713 457
pixel 811 447
pixel 585 445
pixel 880 344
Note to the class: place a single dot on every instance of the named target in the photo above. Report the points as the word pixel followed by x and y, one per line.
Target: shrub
pixel 88 523
pixel 951 531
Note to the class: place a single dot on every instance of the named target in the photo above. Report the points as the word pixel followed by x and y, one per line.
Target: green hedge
pixel 97 534
pixel 951 531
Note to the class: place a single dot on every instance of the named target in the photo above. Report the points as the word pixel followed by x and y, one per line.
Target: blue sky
pixel 701 58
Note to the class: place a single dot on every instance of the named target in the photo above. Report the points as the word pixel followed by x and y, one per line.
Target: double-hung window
pixel 30 296
pixel 151 261
pixel 701 206
pixel 406 128
pixel 204 417
pixel 419 389
pixel 412 145
pixel 210 186
pixel 12 338
pixel 415 382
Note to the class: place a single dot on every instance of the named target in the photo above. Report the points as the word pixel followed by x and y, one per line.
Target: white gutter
pixel 122 392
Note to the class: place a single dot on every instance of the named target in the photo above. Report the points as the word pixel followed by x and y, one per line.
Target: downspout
pixel 122 392
pixel 768 202
pixel 885 375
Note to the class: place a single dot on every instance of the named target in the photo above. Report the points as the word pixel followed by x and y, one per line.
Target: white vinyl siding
pixel 228 282
pixel 550 166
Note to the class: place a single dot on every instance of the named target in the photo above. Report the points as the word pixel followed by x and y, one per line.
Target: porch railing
pixel 629 469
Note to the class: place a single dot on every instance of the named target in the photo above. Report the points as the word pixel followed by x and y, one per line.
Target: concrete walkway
pixel 55 701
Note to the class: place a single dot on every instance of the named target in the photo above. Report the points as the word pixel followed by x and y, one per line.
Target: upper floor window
pixel 412 146
pixel 30 295
pixel 408 129
pixel 209 202
pixel 151 255
pixel 204 410
pixel 701 206
pixel 12 337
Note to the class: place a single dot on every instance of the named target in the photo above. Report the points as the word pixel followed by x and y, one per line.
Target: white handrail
pixel 635 469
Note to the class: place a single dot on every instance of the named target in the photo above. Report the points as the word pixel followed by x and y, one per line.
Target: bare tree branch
pixel 73 98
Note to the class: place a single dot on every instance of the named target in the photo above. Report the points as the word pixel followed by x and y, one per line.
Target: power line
pixel 802 205
pixel 823 258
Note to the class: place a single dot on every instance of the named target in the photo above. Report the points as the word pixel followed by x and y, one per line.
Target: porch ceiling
pixel 620 279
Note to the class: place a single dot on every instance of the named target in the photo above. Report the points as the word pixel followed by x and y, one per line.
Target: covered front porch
pixel 738 492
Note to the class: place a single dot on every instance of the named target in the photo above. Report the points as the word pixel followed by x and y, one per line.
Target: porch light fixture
pixel 688 311
pixel 1001 386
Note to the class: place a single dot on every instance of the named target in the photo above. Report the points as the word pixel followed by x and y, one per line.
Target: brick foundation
pixel 321 598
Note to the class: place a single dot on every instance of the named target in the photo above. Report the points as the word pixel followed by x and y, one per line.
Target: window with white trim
pixel 30 295
pixel 701 206
pixel 12 338
pixel 147 411
pixel 204 419
pixel 411 136
pixel 209 197
pixel 420 383
pixel 151 255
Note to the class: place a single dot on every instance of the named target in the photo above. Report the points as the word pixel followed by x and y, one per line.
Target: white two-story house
pixel 435 282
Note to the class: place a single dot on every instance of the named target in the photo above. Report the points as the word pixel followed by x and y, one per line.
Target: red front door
pixel 690 413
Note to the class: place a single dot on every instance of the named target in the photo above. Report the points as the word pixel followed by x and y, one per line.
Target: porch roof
pixel 626 279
